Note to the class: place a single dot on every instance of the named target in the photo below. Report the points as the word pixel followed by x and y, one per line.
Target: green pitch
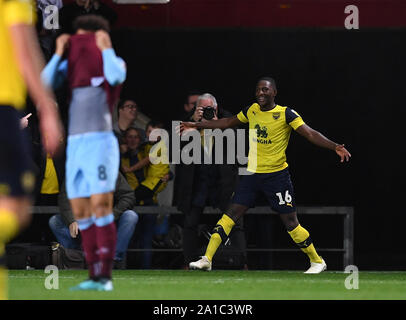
pixel 214 285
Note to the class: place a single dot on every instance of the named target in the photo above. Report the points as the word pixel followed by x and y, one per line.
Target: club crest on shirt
pixel 276 115
pixel 261 131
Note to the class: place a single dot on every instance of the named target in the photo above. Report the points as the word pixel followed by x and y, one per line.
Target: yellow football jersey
pixel 269 133
pixel 50 184
pixel 12 86
pixel 158 167
pixel 130 176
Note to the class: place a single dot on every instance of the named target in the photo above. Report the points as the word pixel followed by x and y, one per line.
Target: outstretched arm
pixel 222 123
pixel 139 165
pixel 318 139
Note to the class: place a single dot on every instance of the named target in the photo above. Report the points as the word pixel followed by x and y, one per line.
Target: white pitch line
pixel 38 277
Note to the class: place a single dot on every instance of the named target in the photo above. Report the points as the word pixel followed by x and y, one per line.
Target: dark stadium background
pixel 348 84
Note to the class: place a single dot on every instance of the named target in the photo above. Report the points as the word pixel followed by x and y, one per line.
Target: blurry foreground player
pixel 20 65
pixel 94 75
pixel 270 127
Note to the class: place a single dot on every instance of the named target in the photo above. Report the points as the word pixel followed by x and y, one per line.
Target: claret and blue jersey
pixel 92 155
pixel 89 109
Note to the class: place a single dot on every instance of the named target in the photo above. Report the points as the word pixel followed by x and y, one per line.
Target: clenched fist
pixel 62 42
pixel 103 40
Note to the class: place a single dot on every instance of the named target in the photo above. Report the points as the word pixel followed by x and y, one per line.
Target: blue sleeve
pixel 113 67
pixel 54 72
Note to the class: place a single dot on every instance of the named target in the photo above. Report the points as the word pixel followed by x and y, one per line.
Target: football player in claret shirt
pixel 94 75
pixel 270 127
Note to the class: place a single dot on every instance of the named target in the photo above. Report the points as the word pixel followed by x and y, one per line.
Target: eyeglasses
pixel 130 106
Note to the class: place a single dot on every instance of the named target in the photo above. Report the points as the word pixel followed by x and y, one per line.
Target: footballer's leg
pixel 82 213
pixel 106 236
pixel 303 240
pixel 279 190
pixel 244 198
pixel 220 234
pixel 77 190
pixel 8 228
pixel 103 172
pixel 99 174
pixel 14 216
pixel 89 226
pixel 17 182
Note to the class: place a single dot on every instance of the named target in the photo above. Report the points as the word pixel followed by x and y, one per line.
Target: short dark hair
pixel 90 22
pixel 154 124
pixel 192 93
pixel 120 105
pixel 270 80
pixel 132 128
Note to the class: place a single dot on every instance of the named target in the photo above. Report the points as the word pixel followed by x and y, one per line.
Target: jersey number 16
pixel 288 197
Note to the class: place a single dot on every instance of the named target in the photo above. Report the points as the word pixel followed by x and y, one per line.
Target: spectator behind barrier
pixel 200 185
pixel 50 172
pixel 130 148
pixel 66 230
pixel 147 179
pixel 127 116
pixel 190 105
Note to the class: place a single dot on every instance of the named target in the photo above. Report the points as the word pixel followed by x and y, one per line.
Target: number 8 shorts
pixel 276 186
pixel 92 164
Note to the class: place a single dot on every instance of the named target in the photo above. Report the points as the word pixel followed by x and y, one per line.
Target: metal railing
pixel 346 212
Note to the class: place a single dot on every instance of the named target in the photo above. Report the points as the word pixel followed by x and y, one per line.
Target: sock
pixel 226 223
pixel 89 243
pixel 106 234
pixel 3 283
pixel 302 238
pixel 8 227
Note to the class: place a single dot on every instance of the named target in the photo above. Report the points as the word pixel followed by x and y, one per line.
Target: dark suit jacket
pixel 205 184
